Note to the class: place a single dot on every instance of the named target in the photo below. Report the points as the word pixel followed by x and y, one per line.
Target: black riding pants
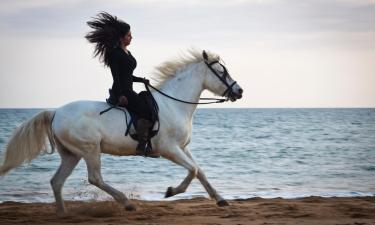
pixel 137 105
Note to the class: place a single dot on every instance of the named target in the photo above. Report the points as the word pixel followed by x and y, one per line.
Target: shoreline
pixel 308 210
pixel 104 197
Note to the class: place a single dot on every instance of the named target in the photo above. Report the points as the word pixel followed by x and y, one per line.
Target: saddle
pixel 153 111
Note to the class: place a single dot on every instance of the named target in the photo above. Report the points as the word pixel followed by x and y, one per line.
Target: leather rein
pixel 221 78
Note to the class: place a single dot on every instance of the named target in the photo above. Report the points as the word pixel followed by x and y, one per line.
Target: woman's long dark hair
pixel 106 34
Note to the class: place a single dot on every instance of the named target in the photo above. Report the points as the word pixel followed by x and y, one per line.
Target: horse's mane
pixel 168 69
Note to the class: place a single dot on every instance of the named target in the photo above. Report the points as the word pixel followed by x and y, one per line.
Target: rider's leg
pixel 144 125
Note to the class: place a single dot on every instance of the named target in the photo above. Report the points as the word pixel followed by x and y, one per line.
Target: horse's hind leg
pixel 93 167
pixel 68 163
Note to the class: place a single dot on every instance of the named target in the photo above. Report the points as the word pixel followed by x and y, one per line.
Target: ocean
pixel 245 153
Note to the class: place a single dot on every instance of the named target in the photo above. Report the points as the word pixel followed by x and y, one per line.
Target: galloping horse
pixel 78 131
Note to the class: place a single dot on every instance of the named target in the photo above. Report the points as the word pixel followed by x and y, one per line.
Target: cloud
pixel 246 16
pixel 291 22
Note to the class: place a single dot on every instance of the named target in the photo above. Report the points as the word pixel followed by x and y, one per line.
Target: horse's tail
pixel 28 141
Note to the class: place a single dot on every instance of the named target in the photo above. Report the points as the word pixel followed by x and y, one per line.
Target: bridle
pixel 222 78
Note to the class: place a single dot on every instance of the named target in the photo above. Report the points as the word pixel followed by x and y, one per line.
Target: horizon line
pixel 277 107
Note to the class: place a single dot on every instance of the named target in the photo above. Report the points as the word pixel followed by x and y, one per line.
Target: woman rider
pixel 111 37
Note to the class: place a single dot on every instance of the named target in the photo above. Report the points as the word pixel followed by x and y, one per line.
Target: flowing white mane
pixel 168 69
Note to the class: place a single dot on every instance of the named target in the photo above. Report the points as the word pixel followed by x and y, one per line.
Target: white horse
pixel 78 131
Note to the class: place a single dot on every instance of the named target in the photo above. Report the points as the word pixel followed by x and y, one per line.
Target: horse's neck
pixel 186 85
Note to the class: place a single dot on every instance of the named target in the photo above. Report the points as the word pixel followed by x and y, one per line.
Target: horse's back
pixel 81 124
pixel 82 106
pixel 80 119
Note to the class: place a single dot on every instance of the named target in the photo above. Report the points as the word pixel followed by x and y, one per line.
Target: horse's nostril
pixel 240 91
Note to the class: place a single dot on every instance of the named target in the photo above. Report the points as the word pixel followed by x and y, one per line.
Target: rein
pixel 216 100
pixel 221 78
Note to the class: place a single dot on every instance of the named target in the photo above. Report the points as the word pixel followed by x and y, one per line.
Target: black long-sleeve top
pixel 122 66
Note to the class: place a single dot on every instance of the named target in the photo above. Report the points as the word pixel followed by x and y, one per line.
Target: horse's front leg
pixel 185 159
pixel 178 156
pixel 220 201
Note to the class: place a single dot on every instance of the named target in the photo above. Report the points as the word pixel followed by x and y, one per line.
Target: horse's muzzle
pixel 234 95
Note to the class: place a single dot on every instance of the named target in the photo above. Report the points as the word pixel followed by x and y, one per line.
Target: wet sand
pixel 311 210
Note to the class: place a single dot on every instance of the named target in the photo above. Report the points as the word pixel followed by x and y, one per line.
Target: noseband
pixel 221 78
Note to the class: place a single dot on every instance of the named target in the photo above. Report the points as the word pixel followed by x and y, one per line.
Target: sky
pixel 283 53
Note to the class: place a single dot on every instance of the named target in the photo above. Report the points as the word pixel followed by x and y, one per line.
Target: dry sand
pixel 311 210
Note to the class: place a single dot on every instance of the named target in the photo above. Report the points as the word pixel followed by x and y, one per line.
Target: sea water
pixel 244 153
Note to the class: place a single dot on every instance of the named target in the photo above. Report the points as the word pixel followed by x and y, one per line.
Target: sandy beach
pixel 311 210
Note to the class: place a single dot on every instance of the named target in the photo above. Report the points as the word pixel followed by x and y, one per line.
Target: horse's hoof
pixel 222 203
pixel 61 215
pixel 130 208
pixel 168 193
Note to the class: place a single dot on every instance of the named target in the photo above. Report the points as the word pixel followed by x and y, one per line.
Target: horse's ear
pixel 205 56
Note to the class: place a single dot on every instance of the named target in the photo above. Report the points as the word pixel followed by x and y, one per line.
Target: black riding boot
pixel 143 128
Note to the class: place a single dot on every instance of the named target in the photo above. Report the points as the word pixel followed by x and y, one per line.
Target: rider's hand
pixel 146 81
pixel 122 100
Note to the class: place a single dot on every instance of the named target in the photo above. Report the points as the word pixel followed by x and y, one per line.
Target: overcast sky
pixel 284 53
